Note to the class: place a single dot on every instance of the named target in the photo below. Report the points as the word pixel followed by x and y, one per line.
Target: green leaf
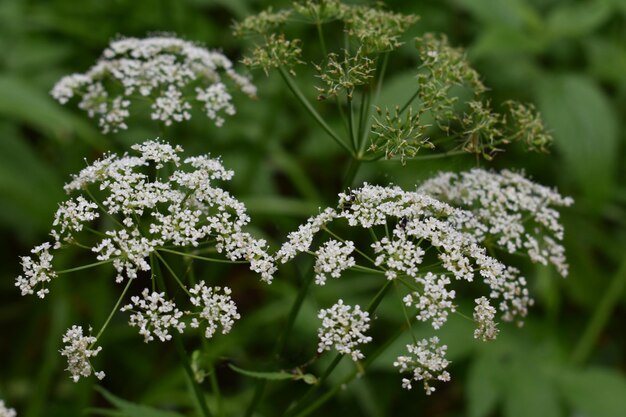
pixel 272 376
pixel 594 392
pixel 483 384
pixel 29 187
pixel 578 19
pixel 21 102
pixel 585 131
pixel 129 409
pixel 509 13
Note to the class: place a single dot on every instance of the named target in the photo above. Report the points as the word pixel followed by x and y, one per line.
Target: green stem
pixel 600 316
pixel 101 207
pixel 115 308
pixel 409 101
pixel 171 271
pixel 282 340
pixel 182 354
pixel 353 169
pixel 379 85
pixel 371 309
pixel 80 268
pixel 371 358
pixel 303 100
pixel 202 258
pixel 351 132
pixel 426 157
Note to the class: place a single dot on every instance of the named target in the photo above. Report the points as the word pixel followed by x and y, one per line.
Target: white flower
pixel 79 350
pixel 70 217
pixel 484 314
pixel 184 208
pixel 518 213
pixel 166 70
pixel 5 411
pixel 343 328
pixel 37 272
pixel 154 315
pixel 332 258
pixel 301 239
pixel 217 310
pixel 426 363
pixel 434 301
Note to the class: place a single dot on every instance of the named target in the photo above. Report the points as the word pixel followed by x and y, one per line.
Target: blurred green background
pixel 568 57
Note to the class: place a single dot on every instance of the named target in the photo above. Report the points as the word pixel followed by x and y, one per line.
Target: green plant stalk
pixel 371 309
pixel 171 271
pixel 303 100
pixel 184 358
pixel 202 258
pixel 409 101
pixel 180 349
pixel 282 340
pixel 371 358
pixel 600 317
pixel 80 268
pixel 379 85
pixel 351 131
pixel 47 367
pixel 215 387
pixel 112 313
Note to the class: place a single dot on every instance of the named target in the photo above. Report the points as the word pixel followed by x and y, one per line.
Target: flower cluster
pixel 153 314
pixel 426 363
pixel 5 411
pixel 79 350
pixel 153 201
pixel 37 272
pixel 166 70
pixel 343 328
pixel 218 310
pixel 519 214
pixel 184 209
pixel 406 225
pixel 332 258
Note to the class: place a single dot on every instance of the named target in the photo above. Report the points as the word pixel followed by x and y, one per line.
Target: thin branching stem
pixel 113 311
pixel 307 105
pixel 82 267
pixel 202 258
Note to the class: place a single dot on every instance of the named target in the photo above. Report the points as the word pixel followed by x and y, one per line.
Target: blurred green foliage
pixel 568 57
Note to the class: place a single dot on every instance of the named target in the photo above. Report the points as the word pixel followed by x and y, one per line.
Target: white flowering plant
pixel 337 272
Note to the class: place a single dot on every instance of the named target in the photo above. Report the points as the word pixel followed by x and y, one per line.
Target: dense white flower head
pixel 217 309
pixel 484 315
pixel 343 328
pixel 519 214
pixel 79 350
pixel 425 363
pixel 37 271
pixel 154 315
pixel 435 301
pixel 301 239
pixel 184 208
pixel 172 73
pixel 332 258
pixel 6 411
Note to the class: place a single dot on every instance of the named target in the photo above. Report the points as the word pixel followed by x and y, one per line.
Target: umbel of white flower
pixel 343 328
pixel 79 350
pixel 6 411
pixel 182 209
pixel 429 247
pixel 170 72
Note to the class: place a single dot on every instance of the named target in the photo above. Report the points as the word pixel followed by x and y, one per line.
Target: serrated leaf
pixel 594 392
pixel 584 126
pixel 130 409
